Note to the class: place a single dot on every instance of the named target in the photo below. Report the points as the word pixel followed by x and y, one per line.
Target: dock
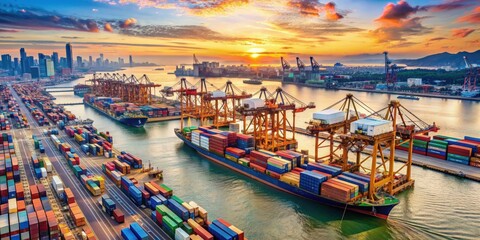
pixel 456 169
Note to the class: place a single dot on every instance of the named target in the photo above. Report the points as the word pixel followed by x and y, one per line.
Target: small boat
pixel 253 81
pixel 159 69
pixel 411 97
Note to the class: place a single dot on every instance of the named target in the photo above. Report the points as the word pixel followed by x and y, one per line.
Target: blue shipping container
pixel 138 231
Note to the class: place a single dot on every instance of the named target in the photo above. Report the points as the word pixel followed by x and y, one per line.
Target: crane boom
pixel 300 65
pixel 315 65
pixel 285 64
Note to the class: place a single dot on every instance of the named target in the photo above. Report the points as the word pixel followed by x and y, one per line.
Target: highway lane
pixel 99 222
pixel 25 153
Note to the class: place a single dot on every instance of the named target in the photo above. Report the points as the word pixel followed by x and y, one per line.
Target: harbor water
pixel 439 207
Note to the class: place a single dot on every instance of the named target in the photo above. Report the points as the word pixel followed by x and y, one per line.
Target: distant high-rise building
pixel 42 65
pixel 55 60
pixel 101 59
pixel 98 62
pixel 35 71
pixel 63 62
pixel 16 66
pixel 90 61
pixel 79 61
pixel 6 62
pixel 23 61
pixel 130 60
pixel 30 62
pixel 50 67
pixel 68 49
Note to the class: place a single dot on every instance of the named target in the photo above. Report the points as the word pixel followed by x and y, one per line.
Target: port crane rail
pixel 269 124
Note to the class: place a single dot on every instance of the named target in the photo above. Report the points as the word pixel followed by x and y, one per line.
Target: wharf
pixel 431 95
pixel 456 169
pixel 162 119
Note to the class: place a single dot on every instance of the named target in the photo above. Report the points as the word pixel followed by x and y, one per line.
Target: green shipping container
pixel 187 228
pixel 177 199
pixel 165 187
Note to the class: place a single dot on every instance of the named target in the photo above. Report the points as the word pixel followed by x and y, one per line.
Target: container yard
pixel 72 145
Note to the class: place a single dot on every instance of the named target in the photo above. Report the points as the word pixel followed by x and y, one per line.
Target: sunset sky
pixel 246 31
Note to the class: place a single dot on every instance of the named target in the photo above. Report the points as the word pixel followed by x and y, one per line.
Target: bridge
pixel 58 89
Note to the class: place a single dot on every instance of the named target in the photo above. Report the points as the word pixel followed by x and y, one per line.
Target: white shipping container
pixel 253 103
pixel 57 184
pixel 12 205
pixel 180 234
pixel 4 224
pixel 195 207
pixel 47 164
pixel 218 93
pixel 14 226
pixel 371 127
pixel 25 236
pixel 44 172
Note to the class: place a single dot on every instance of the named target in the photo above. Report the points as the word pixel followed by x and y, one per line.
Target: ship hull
pixel 379 211
pixel 132 122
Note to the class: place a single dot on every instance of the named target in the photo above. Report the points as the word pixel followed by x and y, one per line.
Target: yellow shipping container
pixel 231 158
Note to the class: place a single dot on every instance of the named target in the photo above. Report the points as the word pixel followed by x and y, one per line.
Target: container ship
pixel 125 113
pixel 253 81
pixel 287 171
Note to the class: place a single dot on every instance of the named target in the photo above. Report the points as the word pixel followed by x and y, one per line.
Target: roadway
pixel 103 226
pixel 100 223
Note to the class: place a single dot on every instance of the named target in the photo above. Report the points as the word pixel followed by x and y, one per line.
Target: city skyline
pixel 241 31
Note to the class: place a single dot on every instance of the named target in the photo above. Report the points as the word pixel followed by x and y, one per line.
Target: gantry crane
pixel 391 72
pixel 327 135
pixel 380 160
pixel 470 81
pixel 315 65
pixel 192 99
pixel 269 124
pixel 225 104
pixel 130 89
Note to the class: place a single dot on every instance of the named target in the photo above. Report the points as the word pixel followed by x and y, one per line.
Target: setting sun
pixel 255 52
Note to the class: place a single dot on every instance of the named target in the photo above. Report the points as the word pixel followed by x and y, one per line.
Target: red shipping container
pixel 33 223
pixel 37 204
pixel 159 218
pixel 203 233
pixel 459 150
pixel 118 215
pixel 162 190
pixel 41 190
pixel 19 189
pixel 20 205
pixel 52 221
pixel 257 167
pixel 422 137
pixel 4 208
pixel 42 221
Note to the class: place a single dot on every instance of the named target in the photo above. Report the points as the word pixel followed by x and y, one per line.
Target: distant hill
pixel 444 59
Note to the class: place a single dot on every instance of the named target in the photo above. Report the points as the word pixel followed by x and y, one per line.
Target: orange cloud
pixel 473 17
pixel 108 27
pixel 314 8
pixel 462 32
pixel 396 22
pixel 331 13
pixel 128 23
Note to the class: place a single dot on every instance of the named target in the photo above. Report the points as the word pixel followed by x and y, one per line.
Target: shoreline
pixel 476 99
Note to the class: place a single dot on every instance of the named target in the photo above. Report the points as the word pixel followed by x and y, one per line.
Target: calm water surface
pixel 439 207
